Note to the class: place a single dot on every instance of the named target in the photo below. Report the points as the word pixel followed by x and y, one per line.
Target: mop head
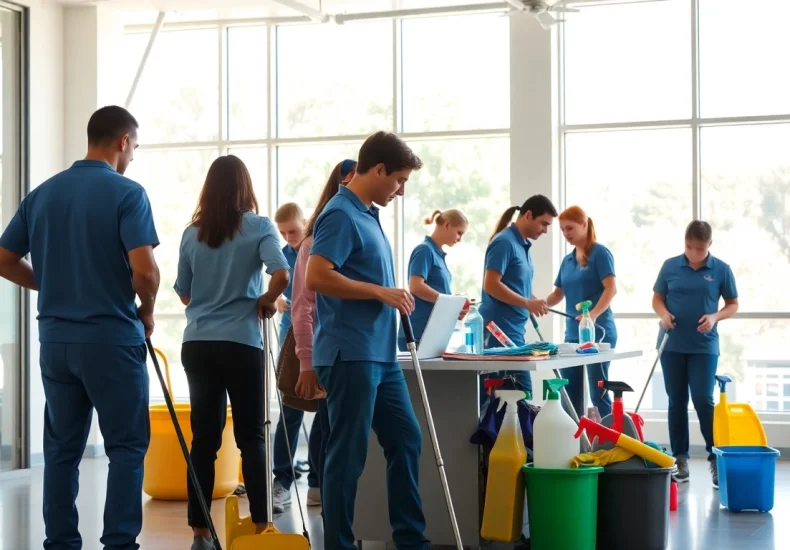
pixel 240 533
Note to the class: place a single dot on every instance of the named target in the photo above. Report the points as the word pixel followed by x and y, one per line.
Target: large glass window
pixel 654 137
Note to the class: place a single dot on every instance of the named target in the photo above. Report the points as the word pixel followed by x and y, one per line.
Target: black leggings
pixel 216 370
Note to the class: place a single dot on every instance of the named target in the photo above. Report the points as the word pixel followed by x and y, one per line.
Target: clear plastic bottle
pixel 473 325
pixel 586 326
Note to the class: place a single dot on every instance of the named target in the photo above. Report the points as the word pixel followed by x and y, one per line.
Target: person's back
pixel 90 233
pixel 226 282
pixel 76 226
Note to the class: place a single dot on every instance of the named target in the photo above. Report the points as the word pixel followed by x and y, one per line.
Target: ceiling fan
pixel 542 10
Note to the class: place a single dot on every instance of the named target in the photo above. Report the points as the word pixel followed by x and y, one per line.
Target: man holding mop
pixel 355 350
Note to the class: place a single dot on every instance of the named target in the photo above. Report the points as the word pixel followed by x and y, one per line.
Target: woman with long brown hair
pixel 586 274
pixel 222 254
pixel 303 319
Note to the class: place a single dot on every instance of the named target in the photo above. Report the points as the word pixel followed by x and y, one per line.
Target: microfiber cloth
pixel 489 425
pixel 526 349
pixel 657 447
pixel 602 457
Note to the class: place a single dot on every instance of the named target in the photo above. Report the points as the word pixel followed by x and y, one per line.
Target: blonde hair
pixel 288 212
pixel 575 214
pixel 453 216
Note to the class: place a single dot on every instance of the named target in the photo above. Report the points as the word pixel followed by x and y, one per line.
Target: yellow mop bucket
pixel 165 476
pixel 736 424
pixel 240 532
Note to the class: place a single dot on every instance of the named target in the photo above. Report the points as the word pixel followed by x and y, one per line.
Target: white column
pixel 534 146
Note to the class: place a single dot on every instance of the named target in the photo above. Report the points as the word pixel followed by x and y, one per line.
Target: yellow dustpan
pixel 240 532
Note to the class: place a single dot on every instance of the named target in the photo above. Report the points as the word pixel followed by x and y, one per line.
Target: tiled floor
pixel 699 524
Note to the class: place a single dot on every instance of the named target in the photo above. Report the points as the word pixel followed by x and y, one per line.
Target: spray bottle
pixel 586 325
pixel 618 420
pixel 504 507
pixel 555 444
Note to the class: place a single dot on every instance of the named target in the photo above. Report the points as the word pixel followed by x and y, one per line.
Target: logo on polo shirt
pixel 709 278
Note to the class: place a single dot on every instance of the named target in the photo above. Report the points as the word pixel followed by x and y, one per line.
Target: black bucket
pixel 633 509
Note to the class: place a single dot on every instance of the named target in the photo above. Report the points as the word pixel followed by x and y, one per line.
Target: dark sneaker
pixel 713 466
pixel 241 490
pixel 681 475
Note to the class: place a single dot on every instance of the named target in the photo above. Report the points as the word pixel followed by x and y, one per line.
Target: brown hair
pixel 226 196
pixel 538 205
pixel 288 212
pixel 330 190
pixel 575 214
pixel 388 149
pixel 454 216
pixel 699 230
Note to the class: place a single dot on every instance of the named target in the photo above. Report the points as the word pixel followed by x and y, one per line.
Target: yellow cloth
pixel 601 458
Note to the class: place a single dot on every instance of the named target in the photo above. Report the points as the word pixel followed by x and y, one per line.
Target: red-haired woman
pixel 587 273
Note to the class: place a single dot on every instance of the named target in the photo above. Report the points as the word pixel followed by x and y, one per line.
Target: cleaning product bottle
pixel 618 420
pixel 474 330
pixel 503 515
pixel 736 424
pixel 586 325
pixel 555 444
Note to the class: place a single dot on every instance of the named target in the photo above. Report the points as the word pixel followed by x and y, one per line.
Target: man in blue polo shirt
pixel 354 351
pixel 90 234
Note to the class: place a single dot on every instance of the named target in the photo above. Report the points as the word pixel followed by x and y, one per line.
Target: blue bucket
pixel 746 477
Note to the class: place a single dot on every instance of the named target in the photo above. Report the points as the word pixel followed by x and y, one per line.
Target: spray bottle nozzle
pixel 584 307
pixel 552 388
pixel 615 387
pixel 493 383
pixel 723 381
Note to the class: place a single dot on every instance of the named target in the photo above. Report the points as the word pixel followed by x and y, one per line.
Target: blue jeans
pixel 114 380
pixel 596 372
pixel 684 372
pixel 290 423
pixel 514 379
pixel 361 396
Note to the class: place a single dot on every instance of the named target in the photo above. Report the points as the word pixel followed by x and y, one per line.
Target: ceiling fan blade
pixel 546 20
pixel 562 9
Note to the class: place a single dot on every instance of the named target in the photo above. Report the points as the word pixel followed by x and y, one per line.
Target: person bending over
pixel 355 350
pixel 220 262
pixel 90 234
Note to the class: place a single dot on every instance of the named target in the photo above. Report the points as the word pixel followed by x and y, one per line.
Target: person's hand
pixel 537 307
pixel 148 321
pixel 308 386
pixel 400 299
pixel 465 310
pixel 282 305
pixel 706 323
pixel 592 316
pixel 668 321
pixel 266 308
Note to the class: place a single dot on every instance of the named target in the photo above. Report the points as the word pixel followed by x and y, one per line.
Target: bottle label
pixel 585 336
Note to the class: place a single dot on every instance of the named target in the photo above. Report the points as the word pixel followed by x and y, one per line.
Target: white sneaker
pixel 314 496
pixel 199 543
pixel 281 498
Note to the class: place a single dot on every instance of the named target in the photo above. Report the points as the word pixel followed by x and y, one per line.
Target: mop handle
pixel 655 364
pixel 182 442
pixel 267 423
pixel 409 332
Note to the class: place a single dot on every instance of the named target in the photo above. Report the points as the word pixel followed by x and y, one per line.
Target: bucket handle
pixel 163 358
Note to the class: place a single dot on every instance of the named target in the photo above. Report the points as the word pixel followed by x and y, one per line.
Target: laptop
pixel 439 329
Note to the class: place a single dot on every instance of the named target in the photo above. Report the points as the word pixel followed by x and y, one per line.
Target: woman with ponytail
pixel 508 299
pixel 428 273
pixel 587 273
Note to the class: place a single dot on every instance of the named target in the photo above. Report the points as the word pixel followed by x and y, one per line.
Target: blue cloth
pixel 580 283
pixel 684 373
pixel 114 380
pixel 349 234
pixel 361 396
pixel 79 227
pixel 428 262
pixel 291 254
pixel 508 254
pixel 689 294
pixel 224 283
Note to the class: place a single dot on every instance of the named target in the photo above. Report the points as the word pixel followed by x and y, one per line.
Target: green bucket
pixel 563 507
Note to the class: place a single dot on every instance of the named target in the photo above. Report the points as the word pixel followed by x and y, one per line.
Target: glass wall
pixel 293 101
pixel 666 119
pixel 12 377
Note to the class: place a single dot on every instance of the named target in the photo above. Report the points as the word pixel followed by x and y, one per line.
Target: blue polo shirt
pixel 580 283
pixel 508 254
pixel 349 234
pixel 426 261
pixel 291 254
pixel 689 294
pixel 78 228
pixel 224 283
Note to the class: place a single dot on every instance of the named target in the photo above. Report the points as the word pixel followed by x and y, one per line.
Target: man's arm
pixel 16 269
pixel 145 277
